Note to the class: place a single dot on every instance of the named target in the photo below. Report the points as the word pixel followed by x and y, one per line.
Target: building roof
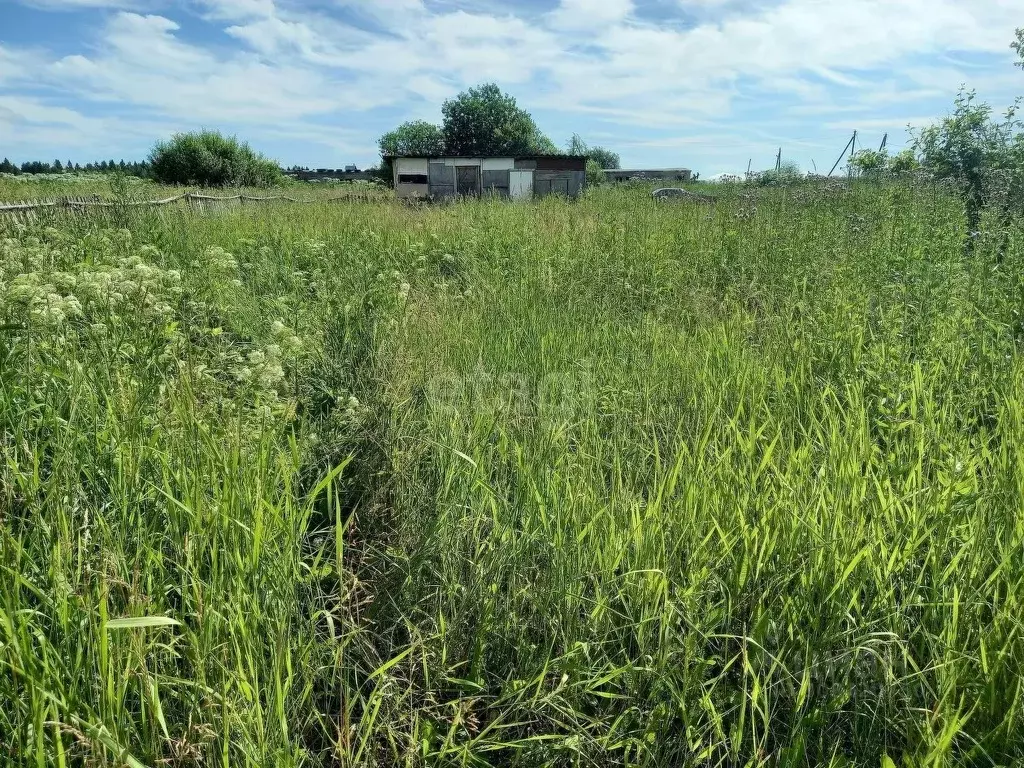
pixel 481 157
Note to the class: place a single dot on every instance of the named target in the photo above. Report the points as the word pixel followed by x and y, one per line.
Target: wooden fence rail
pixel 187 197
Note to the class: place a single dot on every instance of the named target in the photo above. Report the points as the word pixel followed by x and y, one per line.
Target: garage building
pixel 439 178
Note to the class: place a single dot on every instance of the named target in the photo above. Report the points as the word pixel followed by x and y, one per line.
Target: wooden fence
pixel 192 199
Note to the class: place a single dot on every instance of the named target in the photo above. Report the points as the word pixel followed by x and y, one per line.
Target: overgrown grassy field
pixel 613 483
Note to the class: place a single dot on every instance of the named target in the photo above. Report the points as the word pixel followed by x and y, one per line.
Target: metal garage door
pixel 467 179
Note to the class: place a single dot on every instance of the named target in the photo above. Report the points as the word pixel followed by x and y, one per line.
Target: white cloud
pixel 71 5
pixel 44 130
pixel 590 14
pixel 11 66
pixel 234 10
pixel 143 63
pixel 729 68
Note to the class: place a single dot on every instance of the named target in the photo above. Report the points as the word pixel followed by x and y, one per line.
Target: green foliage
pixel 413 138
pixel 904 163
pixel 577 146
pixel 983 156
pixel 8 167
pixel 595 173
pixel 210 159
pixel 484 121
pixel 787 173
pixel 479 121
pixel 870 163
pixel 1018 46
pixel 417 137
pixel 607 159
pixel 874 164
pixel 542 145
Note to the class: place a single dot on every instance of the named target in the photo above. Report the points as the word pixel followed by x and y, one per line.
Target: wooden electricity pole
pixel 849 146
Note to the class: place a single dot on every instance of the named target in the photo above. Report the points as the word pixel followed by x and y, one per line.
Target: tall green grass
pixel 606 483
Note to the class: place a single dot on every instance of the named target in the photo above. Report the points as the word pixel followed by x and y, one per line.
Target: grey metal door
pixel 467 179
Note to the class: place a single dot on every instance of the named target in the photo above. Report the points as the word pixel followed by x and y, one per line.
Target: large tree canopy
pixel 601 157
pixel 417 137
pixel 485 121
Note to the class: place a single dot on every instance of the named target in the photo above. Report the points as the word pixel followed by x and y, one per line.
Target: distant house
pixel 439 178
pixel 652 174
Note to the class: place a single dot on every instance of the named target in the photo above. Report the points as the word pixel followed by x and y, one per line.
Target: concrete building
pixel 651 174
pixel 439 178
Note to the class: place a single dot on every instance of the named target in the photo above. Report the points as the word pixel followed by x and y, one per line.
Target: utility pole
pixel 885 141
pixel 853 151
pixel 778 160
pixel 849 145
pixel 750 162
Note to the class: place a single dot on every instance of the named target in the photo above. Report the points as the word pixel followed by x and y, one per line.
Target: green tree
pixel 904 163
pixel 985 157
pixel 1018 46
pixel 484 121
pixel 58 167
pixel 8 167
pixel 874 164
pixel 787 173
pixel 210 159
pixel 416 138
pixel 543 145
pixel 607 159
pixel 869 163
pixel 577 146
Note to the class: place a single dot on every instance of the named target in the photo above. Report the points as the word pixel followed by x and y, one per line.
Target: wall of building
pixel 559 182
pixel 405 168
pixel 501 176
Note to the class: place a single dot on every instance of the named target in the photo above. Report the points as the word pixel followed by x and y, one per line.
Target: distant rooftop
pixel 478 157
pixel 646 170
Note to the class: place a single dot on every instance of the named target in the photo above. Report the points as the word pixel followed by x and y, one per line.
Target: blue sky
pixel 704 84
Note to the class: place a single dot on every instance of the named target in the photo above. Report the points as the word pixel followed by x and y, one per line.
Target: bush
pixel 787 173
pixel 872 164
pixel 210 159
pixel 982 155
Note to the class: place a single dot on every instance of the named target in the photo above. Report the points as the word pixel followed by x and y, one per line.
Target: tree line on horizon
pixel 37 167
pixel 481 121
